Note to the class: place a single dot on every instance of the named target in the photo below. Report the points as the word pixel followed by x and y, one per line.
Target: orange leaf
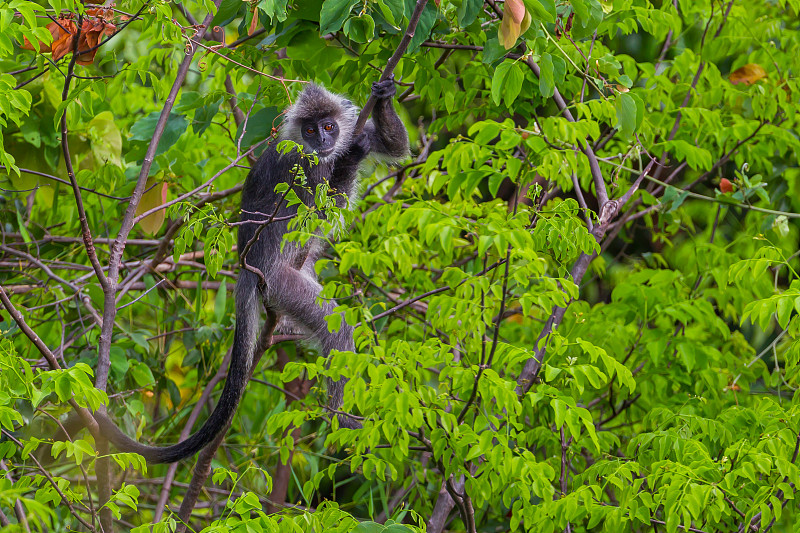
pixel 26 45
pixel 92 33
pixel 56 30
pixel 63 31
pixel 509 33
pixel 748 74
pixel 100 12
pixel 62 37
pixel 253 23
pixel 516 9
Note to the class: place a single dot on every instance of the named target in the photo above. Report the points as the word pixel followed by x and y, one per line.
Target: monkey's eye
pixel 310 130
pixel 328 126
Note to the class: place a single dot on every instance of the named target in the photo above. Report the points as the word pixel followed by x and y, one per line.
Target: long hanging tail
pixel 244 338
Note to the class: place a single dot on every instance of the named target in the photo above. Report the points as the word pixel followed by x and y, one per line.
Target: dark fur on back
pixel 291 288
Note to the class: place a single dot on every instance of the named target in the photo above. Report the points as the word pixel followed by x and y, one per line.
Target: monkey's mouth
pixel 325 153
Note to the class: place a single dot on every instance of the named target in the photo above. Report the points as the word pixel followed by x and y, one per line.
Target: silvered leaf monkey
pixel 324 123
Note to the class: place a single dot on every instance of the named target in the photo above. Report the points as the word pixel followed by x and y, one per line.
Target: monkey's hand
pixel 385 89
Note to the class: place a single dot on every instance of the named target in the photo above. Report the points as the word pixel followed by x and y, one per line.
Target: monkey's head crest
pixel 314 104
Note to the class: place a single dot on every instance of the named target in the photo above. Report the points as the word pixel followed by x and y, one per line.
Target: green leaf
pixel 203 117
pixel 63 387
pixel 626 114
pixel 513 83
pixel 784 311
pixel 144 128
pixel 141 374
pixel 333 14
pixel 274 9
pixel 397 528
pixel 507 82
pixel 106 139
pixel 493 50
pixel 26 237
pixel 560 409
pixel 360 29
pixel 397 7
pixel 545 10
pixel 495 180
pixel 119 362
pixel 589 13
pixel 424 27
pixel 369 527
pixel 220 300
pixel 468 12
pixel 546 82
pixel 228 10
pixel 255 129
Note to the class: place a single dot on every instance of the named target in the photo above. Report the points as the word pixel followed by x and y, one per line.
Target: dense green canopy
pixel 575 301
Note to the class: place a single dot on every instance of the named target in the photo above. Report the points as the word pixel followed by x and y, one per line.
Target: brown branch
pixel 444 504
pixel 75 240
pixel 607 214
pixel 588 63
pixel 141 286
pixel 594 165
pixel 65 182
pixel 246 38
pixel 452 46
pixel 388 71
pixel 85 230
pixel 117 249
pixel 52 275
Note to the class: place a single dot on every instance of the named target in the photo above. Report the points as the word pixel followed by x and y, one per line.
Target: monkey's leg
pixel 294 293
pixel 285 324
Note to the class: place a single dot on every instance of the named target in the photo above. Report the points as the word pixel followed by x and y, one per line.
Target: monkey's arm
pixel 386 132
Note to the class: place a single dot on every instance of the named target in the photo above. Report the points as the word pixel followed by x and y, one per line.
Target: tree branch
pixel 392 63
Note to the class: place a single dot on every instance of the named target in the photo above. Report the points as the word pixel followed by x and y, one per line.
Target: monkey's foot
pixel 384 89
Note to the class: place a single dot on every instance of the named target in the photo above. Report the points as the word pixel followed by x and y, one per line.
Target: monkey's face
pixel 320 136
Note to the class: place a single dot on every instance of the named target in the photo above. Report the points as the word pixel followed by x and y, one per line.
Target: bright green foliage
pixel 530 357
